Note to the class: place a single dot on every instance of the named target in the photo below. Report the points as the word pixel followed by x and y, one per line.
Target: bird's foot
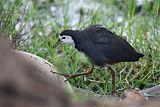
pixel 61 74
pixel 69 76
pixel 114 92
pixel 86 72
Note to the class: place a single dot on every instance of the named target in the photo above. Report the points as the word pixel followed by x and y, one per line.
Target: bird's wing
pixel 92 52
pixel 104 45
pixel 114 47
pixel 93 28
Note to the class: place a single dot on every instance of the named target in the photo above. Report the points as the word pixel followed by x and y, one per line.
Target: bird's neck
pixel 76 35
pixel 75 32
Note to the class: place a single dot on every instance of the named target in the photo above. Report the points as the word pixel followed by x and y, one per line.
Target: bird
pixel 101 46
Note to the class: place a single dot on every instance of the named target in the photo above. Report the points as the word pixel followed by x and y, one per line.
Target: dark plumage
pixel 102 46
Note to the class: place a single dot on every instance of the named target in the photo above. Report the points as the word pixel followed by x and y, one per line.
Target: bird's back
pixel 105 47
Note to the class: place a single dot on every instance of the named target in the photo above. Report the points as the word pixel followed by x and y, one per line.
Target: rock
pixel 46 69
pixel 132 97
pixel 23 84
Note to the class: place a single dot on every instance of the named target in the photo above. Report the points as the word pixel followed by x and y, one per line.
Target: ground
pixel 33 27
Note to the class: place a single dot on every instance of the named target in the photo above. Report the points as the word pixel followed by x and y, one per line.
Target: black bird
pixel 103 47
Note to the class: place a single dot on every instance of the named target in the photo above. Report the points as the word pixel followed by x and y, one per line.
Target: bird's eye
pixel 63 37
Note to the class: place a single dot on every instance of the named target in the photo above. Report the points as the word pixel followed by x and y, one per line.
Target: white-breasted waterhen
pixel 103 47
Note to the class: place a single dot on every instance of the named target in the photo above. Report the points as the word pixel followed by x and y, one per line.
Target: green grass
pixel 140 29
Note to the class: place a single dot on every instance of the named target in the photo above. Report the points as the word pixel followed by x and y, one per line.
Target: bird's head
pixel 67 36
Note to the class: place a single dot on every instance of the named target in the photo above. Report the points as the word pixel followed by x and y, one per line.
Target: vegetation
pixel 33 25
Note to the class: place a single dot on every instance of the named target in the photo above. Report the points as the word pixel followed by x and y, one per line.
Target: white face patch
pixel 66 39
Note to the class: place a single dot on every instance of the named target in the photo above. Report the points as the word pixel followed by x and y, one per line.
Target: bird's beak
pixel 57 43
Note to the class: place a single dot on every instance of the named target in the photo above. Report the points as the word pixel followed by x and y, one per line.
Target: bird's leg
pixel 69 76
pixel 113 80
pixel 65 75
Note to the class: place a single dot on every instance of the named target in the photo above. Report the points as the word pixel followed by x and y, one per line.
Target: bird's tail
pixel 136 57
pixel 139 55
